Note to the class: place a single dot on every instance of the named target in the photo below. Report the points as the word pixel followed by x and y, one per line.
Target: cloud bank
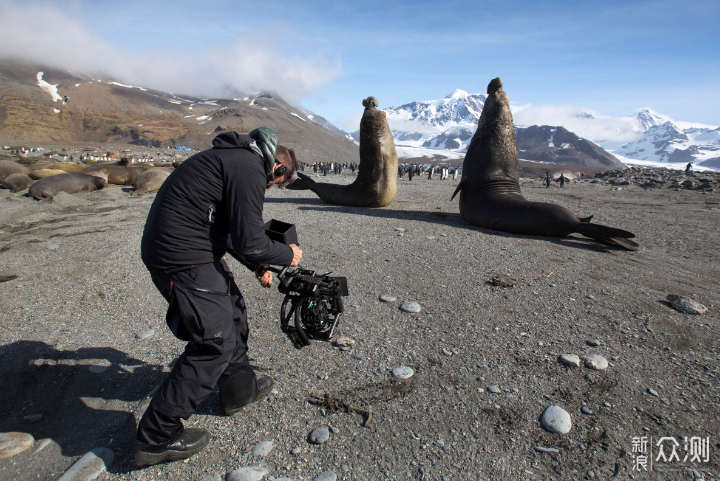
pixel 248 64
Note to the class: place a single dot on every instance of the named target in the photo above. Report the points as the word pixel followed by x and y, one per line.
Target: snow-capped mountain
pixel 666 142
pixel 459 109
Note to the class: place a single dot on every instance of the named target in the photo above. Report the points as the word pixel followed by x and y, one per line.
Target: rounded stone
pixel 144 334
pixel 410 306
pixel 595 361
pixel 98 369
pixel 493 389
pixel 33 418
pixel 52 247
pixel 263 448
pixel 586 410
pixel 326 476
pixel 250 473
pixel 572 360
pixel 556 420
pixel 387 299
pixel 593 342
pixel 403 372
pixel 14 443
pixel 320 435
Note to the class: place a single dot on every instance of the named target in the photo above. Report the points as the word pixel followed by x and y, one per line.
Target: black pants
pixel 207 310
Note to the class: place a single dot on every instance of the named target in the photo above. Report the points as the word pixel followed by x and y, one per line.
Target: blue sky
pixel 610 57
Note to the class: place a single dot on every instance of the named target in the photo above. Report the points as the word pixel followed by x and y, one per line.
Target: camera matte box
pixel 281 232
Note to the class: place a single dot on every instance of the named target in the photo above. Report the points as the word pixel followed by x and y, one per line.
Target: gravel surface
pixel 89 303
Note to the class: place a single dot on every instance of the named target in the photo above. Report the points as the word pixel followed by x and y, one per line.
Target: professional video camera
pixel 313 301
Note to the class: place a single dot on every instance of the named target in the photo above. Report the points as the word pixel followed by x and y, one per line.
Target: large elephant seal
pixel 150 180
pixel 8 167
pixel 375 185
pixel 490 194
pixel 16 182
pixel 67 182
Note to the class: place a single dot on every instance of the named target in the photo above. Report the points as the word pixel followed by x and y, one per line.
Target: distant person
pixel 547 180
pixel 688 168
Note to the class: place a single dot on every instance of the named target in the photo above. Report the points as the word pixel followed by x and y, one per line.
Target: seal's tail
pixel 609 235
pixel 303 182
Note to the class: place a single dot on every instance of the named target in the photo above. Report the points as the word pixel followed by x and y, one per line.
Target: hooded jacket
pixel 211 202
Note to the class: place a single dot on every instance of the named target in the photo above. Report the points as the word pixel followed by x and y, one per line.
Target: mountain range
pixel 449 123
pixel 44 105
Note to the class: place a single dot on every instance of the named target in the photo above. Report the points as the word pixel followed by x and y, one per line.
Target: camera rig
pixel 312 301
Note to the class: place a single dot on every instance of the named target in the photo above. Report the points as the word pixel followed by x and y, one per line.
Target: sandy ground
pixel 82 294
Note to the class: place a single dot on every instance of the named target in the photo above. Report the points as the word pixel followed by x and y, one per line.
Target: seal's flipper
pixel 303 182
pixel 609 235
pixel 459 188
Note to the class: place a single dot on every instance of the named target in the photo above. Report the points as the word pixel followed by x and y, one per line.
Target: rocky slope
pixel 33 109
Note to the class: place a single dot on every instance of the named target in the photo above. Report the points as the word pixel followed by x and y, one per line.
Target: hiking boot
pixel 191 441
pixel 234 397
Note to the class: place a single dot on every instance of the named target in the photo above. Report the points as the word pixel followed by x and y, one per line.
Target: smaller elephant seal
pixel 66 182
pixel 150 180
pixel 8 167
pixel 115 174
pixel 16 182
pixel 375 185
pixel 42 173
pixel 67 166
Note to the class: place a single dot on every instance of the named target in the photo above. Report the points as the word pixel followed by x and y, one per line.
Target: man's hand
pixel 297 255
pixel 265 279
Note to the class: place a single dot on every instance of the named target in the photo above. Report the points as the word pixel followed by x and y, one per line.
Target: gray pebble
pixel 387 299
pixel 595 361
pixel 90 466
pixel 403 372
pixel 211 477
pixel 493 389
pixel 344 348
pixel 590 296
pixel 382 367
pixel 334 430
pixel 144 334
pixel 295 451
pixel 42 445
pixel 250 473
pixel 399 229
pixel 541 449
pixel 653 392
pixel 410 306
pixel 360 357
pixel 33 418
pixel 593 342
pixel 263 448
pixel 586 410
pixel 326 476
pixel 98 369
pixel 320 435
pixel 556 420
pixel 572 360
pixel 52 247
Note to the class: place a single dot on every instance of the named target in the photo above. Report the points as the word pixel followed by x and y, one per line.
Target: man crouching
pixel 211 204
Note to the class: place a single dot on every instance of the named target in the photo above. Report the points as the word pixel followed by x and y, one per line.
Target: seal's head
pixel 494 85
pixel 370 102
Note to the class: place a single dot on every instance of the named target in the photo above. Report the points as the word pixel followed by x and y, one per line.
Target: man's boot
pixel 240 387
pixel 189 442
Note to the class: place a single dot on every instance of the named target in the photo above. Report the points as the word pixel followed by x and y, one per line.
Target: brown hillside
pixel 99 111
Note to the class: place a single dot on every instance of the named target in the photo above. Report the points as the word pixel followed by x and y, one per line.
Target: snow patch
pixel 51 89
pixel 204 117
pixel 56 111
pixel 127 86
pixel 77 85
pixel 296 115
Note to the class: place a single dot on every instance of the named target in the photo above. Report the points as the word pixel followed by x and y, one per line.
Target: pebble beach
pixel 527 357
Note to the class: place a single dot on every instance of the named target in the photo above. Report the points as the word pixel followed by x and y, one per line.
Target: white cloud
pixel 352 123
pixel 249 64
pixel 615 130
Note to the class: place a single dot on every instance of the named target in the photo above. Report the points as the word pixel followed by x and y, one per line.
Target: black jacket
pixel 213 201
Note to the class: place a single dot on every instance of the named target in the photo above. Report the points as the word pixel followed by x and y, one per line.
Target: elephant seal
pixel 150 180
pixel 490 194
pixel 8 167
pixel 66 182
pixel 115 174
pixel 16 182
pixel 67 166
pixel 42 173
pixel 375 185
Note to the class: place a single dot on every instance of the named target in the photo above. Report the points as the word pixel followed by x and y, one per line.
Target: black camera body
pixel 312 302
